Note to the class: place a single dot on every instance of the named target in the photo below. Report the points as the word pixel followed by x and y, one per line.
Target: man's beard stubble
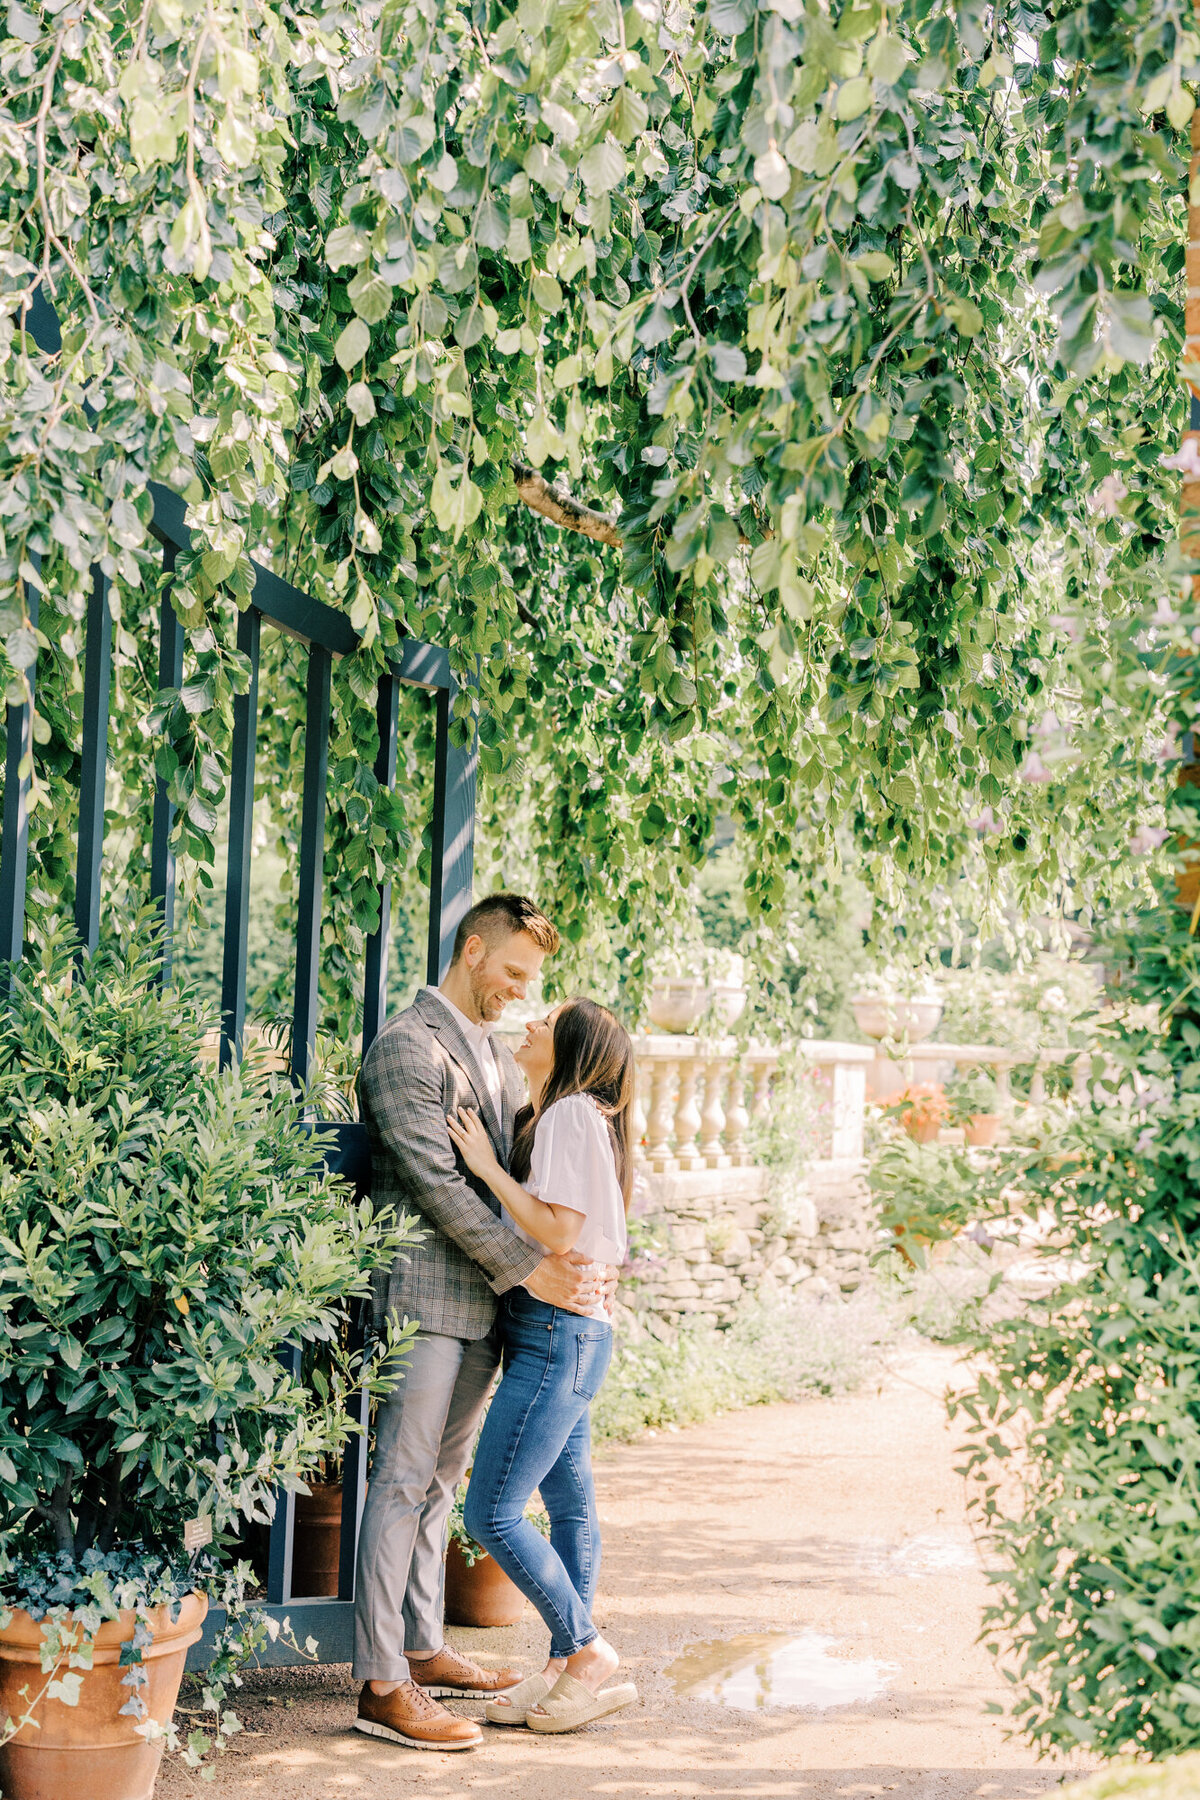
pixel 481 995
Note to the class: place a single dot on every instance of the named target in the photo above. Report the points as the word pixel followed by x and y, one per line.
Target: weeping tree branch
pixel 553 504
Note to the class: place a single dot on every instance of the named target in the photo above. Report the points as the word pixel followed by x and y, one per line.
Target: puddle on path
pixel 752 1673
pixel 928 1553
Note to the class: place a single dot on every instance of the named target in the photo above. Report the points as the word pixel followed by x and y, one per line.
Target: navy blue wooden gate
pixel 327 633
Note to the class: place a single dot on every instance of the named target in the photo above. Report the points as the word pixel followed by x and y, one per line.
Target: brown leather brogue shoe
pixel 410 1716
pixel 451 1676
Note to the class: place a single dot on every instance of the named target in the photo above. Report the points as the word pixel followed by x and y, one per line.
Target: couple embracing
pixel 523 1210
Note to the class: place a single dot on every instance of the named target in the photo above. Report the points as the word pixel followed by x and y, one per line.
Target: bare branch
pixel 553 504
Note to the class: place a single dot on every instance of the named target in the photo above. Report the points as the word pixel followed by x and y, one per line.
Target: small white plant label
pixel 197 1533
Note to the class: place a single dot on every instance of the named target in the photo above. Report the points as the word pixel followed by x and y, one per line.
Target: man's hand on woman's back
pixel 572 1282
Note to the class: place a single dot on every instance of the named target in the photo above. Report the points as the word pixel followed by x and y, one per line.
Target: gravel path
pixel 830 1534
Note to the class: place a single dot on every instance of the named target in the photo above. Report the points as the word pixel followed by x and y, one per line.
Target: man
pixel 425 1063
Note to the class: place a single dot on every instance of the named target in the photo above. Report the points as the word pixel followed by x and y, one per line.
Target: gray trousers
pixel 424 1435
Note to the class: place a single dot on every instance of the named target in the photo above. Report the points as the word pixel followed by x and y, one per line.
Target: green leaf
pixel 602 168
pixel 1129 326
pixel 455 504
pixel 853 97
pixel 729 18
pixel 543 439
pixel 887 58
pixel 345 245
pixel 877 266
pixel 361 403
pixel 352 344
pixel 547 293
pixel 965 314
pixel 491 225
pixel 772 174
pixel 23 25
pixel 370 296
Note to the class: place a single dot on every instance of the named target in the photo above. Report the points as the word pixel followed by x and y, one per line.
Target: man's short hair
pixel 500 914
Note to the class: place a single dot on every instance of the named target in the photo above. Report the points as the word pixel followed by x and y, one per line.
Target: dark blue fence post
pixel 452 867
pixel 387 706
pixel 162 857
pixel 18 771
pixel 312 853
pixel 283 1524
pixel 97 684
pixel 241 834
pixel 354 1469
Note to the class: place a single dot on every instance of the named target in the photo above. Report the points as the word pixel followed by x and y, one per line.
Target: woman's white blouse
pixel 573 1165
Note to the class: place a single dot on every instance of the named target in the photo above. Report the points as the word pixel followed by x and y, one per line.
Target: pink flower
pixel 1048 725
pixel 1108 496
pixel 1147 838
pixel 1034 769
pixel 1164 612
pixel 1186 459
pixel 986 822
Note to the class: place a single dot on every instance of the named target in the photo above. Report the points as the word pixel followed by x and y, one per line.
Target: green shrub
pixel 777 1351
pixel 1085 1423
pixel 165 1233
pixel 922 1194
pixel 1178 1779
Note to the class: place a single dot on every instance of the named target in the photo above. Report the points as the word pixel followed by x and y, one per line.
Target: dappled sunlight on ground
pixel 835 1524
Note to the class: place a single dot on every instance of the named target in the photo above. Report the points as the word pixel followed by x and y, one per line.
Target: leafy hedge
pixel 1085 1423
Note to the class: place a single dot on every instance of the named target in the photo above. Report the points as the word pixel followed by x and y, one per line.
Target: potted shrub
pixel 972 1097
pixel 165 1233
pixel 478 1592
pixel 923 1195
pixel 921 1110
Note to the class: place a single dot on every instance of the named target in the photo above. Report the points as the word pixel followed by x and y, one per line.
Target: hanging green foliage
pixel 855 327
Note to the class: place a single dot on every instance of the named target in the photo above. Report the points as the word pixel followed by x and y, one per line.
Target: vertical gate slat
pixel 452 867
pixel 241 830
pixel 162 857
pixel 281 1540
pixel 14 844
pixel 375 986
pixel 354 1472
pixel 312 853
pixel 97 686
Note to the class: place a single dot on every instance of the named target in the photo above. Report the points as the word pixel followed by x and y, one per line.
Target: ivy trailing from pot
pixel 165 1233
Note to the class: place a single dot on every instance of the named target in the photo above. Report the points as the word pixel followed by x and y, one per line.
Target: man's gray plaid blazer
pixel 419 1069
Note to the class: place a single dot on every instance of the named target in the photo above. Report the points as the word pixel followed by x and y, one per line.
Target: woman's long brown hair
pixel 593 1055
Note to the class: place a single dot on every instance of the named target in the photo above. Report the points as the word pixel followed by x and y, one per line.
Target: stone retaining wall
pixel 724 1240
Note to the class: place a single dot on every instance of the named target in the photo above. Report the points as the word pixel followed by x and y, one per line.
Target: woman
pixel 572 1170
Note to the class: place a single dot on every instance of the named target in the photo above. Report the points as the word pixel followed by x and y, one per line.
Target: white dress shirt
pixel 479 1037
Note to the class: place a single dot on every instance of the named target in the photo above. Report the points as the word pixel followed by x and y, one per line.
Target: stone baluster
pixel 712 1118
pixel 849 1095
pixel 1003 1088
pixel 1037 1084
pixel 1080 1073
pixel 760 1106
pixel 662 1115
pixel 638 1119
pixel 736 1118
pixel 687 1117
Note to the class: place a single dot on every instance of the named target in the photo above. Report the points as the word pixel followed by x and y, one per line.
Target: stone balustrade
pixel 934 1062
pixel 697 1097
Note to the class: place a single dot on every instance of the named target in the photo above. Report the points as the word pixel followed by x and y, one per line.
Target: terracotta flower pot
pixel 317 1542
pixel 981 1129
pixel 480 1595
pixel 923 1131
pixel 90 1751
